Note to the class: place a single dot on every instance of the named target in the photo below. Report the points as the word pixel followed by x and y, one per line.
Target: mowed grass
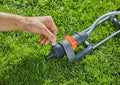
pixel 22 56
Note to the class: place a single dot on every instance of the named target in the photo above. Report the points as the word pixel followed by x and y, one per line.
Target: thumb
pixel 49 35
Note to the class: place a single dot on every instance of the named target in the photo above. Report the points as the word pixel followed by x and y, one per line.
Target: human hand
pixel 44 26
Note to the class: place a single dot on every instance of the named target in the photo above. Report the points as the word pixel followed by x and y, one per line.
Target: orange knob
pixel 71 41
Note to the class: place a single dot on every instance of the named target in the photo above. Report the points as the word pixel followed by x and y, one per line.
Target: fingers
pixel 46 34
pixel 47 41
pixel 49 23
pixel 49 35
pixel 40 38
pixel 48 30
pixel 53 28
pixel 43 39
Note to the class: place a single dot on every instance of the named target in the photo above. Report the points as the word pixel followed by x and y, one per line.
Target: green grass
pixel 22 57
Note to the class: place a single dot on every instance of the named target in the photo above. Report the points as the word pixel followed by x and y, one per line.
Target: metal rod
pixel 87 43
pixel 102 17
pixel 106 18
pixel 106 39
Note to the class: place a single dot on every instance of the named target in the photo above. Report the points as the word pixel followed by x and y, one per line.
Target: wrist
pixel 21 23
pixel 25 24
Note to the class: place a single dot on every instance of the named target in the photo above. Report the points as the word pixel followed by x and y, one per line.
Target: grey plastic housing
pixel 72 57
pixel 80 38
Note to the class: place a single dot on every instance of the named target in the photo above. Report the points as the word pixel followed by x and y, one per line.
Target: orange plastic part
pixel 71 41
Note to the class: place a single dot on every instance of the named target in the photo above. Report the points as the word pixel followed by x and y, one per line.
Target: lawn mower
pixel 70 43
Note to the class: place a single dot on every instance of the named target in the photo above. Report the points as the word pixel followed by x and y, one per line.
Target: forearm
pixel 44 26
pixel 10 22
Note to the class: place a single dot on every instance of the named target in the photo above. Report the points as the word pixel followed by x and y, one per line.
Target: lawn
pixel 22 59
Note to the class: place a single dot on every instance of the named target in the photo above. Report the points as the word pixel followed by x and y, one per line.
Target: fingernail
pixel 47 42
pixel 53 40
pixel 41 42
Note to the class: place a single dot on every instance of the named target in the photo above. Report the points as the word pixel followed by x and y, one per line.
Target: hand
pixel 41 25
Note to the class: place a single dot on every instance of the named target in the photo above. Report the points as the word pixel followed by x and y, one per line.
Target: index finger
pixel 53 28
pixel 49 23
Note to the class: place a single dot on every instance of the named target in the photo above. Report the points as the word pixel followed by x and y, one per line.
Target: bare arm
pixel 41 25
pixel 10 22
